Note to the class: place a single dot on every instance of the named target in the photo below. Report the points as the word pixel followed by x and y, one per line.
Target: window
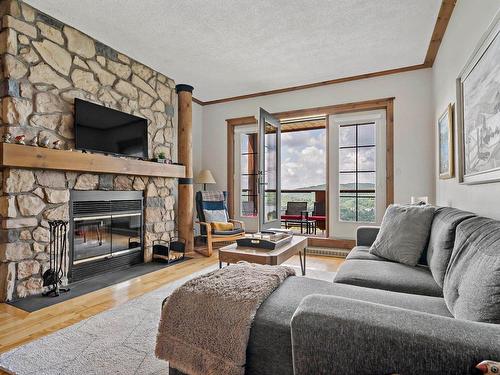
pixel 357 172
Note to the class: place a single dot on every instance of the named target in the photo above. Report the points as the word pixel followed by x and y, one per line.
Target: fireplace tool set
pixel 58 251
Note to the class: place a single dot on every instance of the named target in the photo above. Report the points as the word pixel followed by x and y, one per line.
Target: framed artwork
pixel 446 150
pixel 478 114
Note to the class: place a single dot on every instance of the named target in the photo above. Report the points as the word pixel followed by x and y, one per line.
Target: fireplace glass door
pixel 91 238
pixel 126 232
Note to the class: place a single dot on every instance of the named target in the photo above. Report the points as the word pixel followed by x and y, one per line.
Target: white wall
pixel 197 150
pixel 413 130
pixel 197 138
pixel 469 21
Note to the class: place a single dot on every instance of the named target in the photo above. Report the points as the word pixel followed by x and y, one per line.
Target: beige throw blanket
pixel 205 323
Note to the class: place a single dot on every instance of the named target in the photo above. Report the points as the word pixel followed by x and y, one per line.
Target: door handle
pixel 259 181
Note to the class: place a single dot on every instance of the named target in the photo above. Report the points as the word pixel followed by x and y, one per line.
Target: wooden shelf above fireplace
pixel 21 156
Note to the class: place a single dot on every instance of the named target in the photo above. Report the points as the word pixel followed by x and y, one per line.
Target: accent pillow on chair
pixel 404 233
pixel 221 226
pixel 212 216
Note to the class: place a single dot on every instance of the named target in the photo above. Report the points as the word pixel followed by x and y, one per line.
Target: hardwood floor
pixel 18 327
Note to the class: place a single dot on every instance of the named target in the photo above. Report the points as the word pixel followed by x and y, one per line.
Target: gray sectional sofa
pixel 382 317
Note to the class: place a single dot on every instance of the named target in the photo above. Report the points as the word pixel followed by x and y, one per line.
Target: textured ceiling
pixel 233 47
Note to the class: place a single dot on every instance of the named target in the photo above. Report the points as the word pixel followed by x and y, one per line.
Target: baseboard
pixel 338 253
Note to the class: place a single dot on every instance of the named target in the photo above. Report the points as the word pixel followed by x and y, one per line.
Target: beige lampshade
pixel 204 177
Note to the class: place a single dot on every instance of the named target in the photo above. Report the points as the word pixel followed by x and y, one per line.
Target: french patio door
pixel 269 175
pixel 257 171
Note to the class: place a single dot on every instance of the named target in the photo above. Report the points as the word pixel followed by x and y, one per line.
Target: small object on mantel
pixel 57 144
pixel 34 141
pixel 20 139
pixel 7 138
pixel 44 142
pixel 160 158
pixel 489 367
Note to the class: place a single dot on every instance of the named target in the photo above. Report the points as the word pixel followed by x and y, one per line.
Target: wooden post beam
pixel 185 157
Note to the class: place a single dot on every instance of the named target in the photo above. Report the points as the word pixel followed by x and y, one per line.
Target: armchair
pixel 319 214
pixel 216 201
pixel 295 211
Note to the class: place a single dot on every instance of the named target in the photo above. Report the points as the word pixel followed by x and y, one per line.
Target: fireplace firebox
pixel 106 232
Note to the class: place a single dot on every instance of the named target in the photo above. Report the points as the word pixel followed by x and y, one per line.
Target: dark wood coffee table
pixel 234 253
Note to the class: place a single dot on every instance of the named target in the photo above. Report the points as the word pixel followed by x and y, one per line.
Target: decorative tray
pixel 265 240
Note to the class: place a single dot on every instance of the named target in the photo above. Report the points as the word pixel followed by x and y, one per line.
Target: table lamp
pixel 204 177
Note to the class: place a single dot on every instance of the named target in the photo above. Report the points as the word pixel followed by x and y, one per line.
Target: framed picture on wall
pixel 478 112
pixel 446 150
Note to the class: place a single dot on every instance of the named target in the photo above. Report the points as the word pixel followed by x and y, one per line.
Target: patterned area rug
pixel 118 341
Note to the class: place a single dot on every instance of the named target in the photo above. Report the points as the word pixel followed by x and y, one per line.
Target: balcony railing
pixel 295 195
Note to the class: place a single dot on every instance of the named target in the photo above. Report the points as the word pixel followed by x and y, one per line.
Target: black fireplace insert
pixel 106 232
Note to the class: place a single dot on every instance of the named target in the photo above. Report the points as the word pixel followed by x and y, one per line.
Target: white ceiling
pixel 233 47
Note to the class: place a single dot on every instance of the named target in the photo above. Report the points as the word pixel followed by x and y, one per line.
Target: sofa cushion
pixel 317 218
pixel 391 276
pixel 472 281
pixel 291 217
pixel 363 253
pixel 404 233
pixel 366 236
pixel 269 348
pixel 442 238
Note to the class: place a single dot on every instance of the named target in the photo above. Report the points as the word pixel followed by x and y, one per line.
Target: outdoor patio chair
pixel 319 215
pixel 295 211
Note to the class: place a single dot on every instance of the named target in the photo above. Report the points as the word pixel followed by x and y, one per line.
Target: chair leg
pixel 210 247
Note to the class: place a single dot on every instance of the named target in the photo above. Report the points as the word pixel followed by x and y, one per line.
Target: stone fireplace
pixel 46 64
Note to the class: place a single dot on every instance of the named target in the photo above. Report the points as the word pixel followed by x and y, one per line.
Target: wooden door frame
pixel 369 105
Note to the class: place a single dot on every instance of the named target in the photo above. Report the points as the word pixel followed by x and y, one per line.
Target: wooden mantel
pixel 21 156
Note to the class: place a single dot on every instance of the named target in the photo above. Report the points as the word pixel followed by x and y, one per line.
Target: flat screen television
pixel 102 129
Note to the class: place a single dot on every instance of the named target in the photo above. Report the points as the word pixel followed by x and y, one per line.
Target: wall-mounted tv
pixel 102 129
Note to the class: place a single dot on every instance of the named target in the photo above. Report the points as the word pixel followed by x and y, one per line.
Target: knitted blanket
pixel 205 323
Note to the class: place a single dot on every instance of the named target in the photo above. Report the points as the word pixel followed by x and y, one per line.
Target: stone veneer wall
pixel 45 64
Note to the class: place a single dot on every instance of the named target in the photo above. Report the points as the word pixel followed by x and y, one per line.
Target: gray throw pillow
pixel 442 239
pixel 212 216
pixel 471 285
pixel 404 233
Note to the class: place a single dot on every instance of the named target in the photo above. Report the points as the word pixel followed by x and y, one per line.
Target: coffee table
pixel 234 253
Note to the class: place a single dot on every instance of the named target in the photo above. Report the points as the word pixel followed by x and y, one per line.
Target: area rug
pixel 118 341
